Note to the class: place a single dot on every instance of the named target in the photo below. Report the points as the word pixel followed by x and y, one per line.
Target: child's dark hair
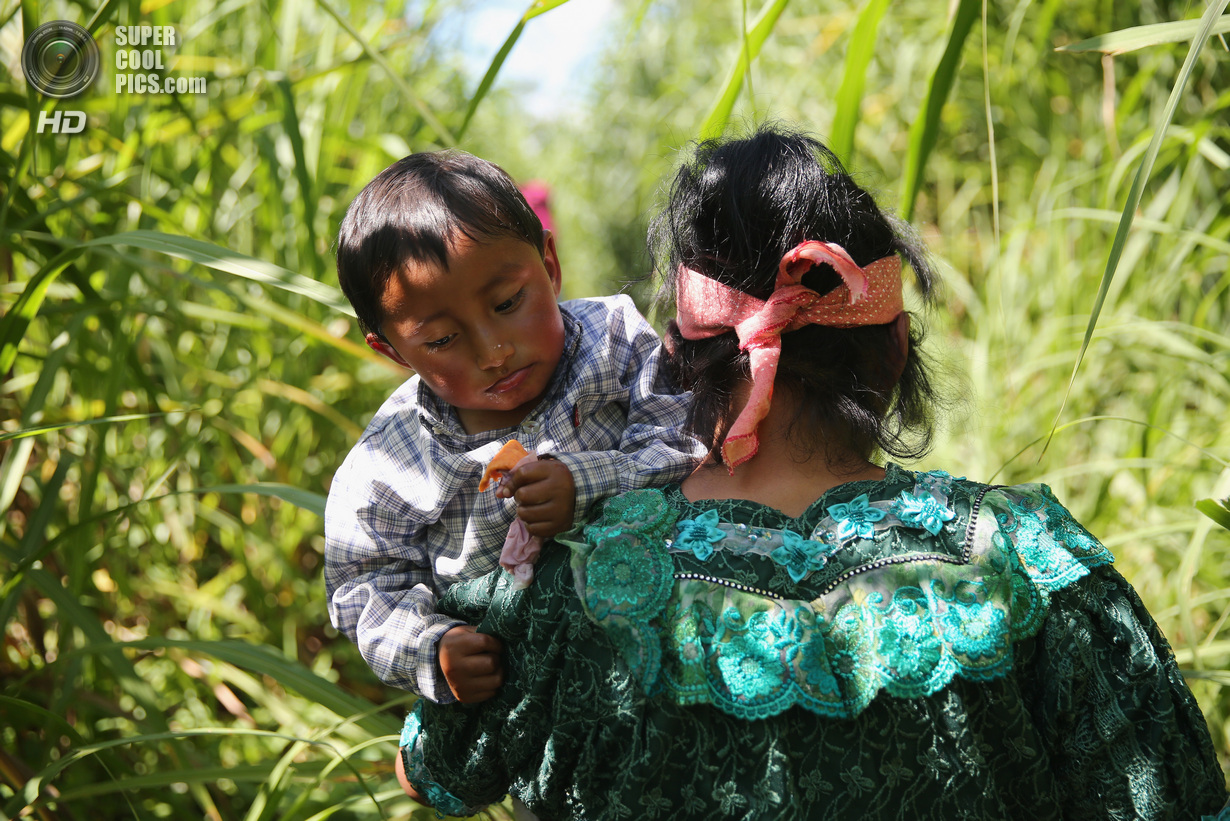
pixel 734 209
pixel 414 210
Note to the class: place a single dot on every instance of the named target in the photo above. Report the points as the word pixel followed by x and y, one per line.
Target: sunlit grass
pixel 181 377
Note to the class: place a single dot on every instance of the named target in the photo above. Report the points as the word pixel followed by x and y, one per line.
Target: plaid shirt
pixel 405 520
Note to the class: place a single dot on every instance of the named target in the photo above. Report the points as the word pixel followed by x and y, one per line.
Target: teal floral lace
pixel 941 608
pixel 996 667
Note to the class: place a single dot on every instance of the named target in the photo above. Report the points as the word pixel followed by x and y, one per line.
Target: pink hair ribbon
pixel 706 308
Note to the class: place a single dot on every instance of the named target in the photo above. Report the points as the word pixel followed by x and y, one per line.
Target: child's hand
pixel 546 496
pixel 471 663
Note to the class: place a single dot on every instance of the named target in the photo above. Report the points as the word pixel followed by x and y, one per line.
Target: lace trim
pixel 411 751
pixel 926 508
pixel 905 623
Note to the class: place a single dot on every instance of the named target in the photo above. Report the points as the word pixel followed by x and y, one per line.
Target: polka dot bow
pixel 706 307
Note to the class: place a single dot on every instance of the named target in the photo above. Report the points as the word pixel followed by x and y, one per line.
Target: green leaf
pixel 719 115
pixel 31 791
pixel 304 499
pixel 445 137
pixel 267 661
pixel 1215 510
pixel 38 430
pixel 536 8
pixel 17 319
pixel 307 196
pixel 230 262
pixel 850 94
pixel 925 130
pixel 1138 185
pixel 1138 37
pixel 297 496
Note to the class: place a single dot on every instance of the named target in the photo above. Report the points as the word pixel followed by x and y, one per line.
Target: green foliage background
pixel 181 377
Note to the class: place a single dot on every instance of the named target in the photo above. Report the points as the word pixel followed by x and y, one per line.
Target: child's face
pixel 484 335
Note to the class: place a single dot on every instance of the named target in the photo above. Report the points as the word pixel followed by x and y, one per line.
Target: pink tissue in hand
pixel 520 548
pixel 519 554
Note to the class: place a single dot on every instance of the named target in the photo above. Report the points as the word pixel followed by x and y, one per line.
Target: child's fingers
pixel 463 641
pixel 471 663
pixel 517 478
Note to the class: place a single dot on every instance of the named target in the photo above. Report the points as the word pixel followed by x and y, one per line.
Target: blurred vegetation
pixel 181 378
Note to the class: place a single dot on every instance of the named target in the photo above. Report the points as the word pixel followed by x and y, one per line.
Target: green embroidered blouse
pixel 922 647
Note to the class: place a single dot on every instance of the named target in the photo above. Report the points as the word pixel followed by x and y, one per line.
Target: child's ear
pixel 550 259
pixel 385 349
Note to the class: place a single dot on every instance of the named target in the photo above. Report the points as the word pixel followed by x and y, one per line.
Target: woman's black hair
pixel 733 210
pixel 414 210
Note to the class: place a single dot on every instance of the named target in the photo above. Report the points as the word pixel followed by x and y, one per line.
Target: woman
pixel 795 631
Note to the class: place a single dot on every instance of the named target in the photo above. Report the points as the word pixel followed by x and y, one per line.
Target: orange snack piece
pixel 502 462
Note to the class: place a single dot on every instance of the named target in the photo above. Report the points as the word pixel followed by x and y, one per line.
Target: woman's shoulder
pixel 900 586
pixel 858 527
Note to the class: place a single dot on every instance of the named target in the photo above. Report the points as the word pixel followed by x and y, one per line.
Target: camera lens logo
pixel 60 59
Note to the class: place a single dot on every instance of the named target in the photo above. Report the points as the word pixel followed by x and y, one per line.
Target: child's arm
pixel 636 411
pixel 381 588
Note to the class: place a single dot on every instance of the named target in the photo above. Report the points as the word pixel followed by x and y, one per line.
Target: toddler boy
pixel 451 275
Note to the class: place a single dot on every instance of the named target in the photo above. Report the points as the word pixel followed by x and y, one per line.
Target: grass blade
pixel 536 8
pixel 715 123
pixel 307 196
pixel 297 496
pixel 1138 184
pixel 230 262
pixel 38 430
pixel 1219 512
pixel 30 794
pixel 926 127
pixel 262 659
pixel 445 136
pixel 853 78
pixel 17 319
pixel 1138 37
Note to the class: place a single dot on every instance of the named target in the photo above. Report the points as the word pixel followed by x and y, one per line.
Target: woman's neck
pixel 778 475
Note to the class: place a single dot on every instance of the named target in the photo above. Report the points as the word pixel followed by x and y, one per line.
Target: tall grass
pixel 181 376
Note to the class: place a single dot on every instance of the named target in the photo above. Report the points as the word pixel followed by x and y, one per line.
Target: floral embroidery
pixel 644 510
pixel 907 639
pixel 856 518
pixel 620 571
pixel 692 803
pixel 813 784
pixel 699 535
pixel 907 628
pixel 976 631
pixel 750 662
pixel 895 772
pixel 728 797
pixel 654 803
pixel 799 556
pixel 443 800
pixel 856 781
pixel 813 661
pixel 921 511
pixel 1067 529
